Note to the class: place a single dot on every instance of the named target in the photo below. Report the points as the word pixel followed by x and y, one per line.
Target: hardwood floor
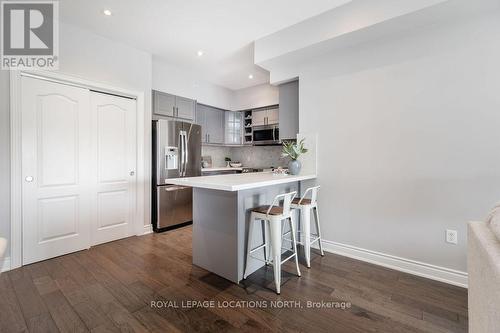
pixel 110 287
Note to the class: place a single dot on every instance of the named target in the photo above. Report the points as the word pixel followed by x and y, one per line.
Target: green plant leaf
pixel 293 149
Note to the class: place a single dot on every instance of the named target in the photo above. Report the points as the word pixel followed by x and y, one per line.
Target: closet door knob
pixel 29 179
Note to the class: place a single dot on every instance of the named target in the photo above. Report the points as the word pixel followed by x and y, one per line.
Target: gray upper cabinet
pixel 212 124
pixel 173 106
pixel 234 127
pixel 201 113
pixel 289 110
pixel 273 116
pixel 215 125
pixel 259 117
pixel 185 108
pixel 266 116
pixel 163 104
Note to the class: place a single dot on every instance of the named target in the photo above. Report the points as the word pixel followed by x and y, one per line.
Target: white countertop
pixel 221 169
pixel 238 182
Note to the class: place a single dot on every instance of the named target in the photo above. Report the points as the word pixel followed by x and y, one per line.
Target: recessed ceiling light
pixel 200 53
pixel 106 12
pixel 250 76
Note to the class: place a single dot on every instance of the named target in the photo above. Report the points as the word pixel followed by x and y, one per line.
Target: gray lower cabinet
pixel 173 106
pixel 212 123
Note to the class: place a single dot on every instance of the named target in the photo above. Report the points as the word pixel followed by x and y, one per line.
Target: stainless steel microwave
pixel 266 135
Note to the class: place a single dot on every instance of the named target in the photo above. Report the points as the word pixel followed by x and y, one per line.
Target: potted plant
pixel 228 160
pixel 293 150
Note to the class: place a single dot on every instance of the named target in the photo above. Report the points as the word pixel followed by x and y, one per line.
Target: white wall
pixel 173 80
pixel 408 138
pixel 93 57
pixel 256 96
pixel 4 158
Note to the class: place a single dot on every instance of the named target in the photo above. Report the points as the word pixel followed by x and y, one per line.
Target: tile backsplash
pixel 217 153
pixel 250 156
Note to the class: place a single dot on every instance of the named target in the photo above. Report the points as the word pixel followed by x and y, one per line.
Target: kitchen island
pixel 221 212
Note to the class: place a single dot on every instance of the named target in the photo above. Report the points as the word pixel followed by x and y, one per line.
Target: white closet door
pixel 114 160
pixel 55 167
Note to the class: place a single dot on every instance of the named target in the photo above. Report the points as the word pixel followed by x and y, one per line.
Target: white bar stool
pixel 272 217
pixel 306 206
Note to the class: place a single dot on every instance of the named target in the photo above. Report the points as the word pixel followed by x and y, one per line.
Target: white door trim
pixel 16 153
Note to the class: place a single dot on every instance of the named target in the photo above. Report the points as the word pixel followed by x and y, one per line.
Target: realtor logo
pixel 30 35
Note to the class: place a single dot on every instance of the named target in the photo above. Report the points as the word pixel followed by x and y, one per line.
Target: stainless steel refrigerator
pixel 176 153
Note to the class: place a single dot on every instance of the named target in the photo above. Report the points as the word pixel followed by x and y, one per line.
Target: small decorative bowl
pixel 235 164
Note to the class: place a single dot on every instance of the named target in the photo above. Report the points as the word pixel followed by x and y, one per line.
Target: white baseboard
pixel 148 229
pixel 5 264
pixel 443 274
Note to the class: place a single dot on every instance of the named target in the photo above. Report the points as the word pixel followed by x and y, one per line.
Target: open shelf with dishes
pixel 247 127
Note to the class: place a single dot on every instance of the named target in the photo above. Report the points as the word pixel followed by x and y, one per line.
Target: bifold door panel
pixel 113 134
pixel 55 161
pixel 78 165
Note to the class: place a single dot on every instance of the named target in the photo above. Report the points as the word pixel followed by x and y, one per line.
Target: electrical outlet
pixel 451 236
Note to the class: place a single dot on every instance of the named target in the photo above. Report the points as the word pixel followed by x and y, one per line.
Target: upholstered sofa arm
pixel 483 265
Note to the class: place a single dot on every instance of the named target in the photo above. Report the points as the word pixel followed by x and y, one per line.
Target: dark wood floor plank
pixel 81 290
pixel 42 324
pixel 30 302
pixel 106 328
pixel 63 314
pixel 91 314
pixel 122 318
pixel 110 288
pixel 154 322
pixel 10 312
pixel 119 291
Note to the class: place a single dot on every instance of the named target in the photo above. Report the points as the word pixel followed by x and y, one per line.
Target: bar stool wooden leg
pixel 294 243
pixel 249 245
pixel 275 228
pixel 306 232
pixel 318 228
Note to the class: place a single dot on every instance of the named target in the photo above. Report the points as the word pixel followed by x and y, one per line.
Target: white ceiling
pixel 174 30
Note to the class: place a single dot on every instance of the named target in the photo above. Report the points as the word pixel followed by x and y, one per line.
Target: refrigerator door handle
pixel 186 153
pixel 183 141
pixel 181 157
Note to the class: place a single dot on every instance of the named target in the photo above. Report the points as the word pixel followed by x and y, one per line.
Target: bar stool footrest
pixel 290 257
pixel 257 248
